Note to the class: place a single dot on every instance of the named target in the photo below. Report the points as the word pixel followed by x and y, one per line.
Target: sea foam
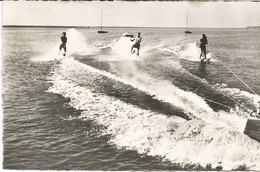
pixel 171 138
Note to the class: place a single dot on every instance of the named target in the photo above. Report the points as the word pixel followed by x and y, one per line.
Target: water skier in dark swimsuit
pixel 137 44
pixel 203 43
pixel 63 42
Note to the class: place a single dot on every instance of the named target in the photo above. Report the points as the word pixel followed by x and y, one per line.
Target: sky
pixel 132 14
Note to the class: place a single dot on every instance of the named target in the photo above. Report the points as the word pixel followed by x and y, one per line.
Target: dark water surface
pixel 43 131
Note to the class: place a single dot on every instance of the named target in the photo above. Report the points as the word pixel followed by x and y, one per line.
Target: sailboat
pixel 101 31
pixel 187 20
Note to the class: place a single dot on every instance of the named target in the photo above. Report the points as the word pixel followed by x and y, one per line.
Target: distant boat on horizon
pixel 101 31
pixel 187 24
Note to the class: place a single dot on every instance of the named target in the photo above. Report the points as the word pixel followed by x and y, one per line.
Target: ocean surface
pixel 102 108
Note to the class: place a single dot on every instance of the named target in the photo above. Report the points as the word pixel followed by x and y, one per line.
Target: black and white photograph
pixel 130 85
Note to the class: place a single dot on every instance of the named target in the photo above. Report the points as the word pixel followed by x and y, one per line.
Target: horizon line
pixel 52 26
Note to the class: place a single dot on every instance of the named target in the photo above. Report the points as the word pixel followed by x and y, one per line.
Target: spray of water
pixel 214 138
pixel 76 44
pixel 172 138
pixel 188 51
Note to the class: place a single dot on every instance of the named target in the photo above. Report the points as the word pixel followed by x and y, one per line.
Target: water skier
pixel 137 44
pixel 203 42
pixel 63 43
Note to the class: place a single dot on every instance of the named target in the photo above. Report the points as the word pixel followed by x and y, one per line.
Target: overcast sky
pixel 138 14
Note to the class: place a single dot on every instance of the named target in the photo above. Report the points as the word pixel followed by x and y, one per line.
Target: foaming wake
pixel 251 100
pixel 121 49
pixel 76 44
pixel 123 45
pixel 171 138
pixel 165 91
pixel 188 51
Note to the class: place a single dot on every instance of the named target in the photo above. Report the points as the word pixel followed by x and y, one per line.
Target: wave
pixel 192 104
pixel 76 44
pixel 210 138
pixel 246 98
pixel 189 51
pixel 121 50
pixel 171 138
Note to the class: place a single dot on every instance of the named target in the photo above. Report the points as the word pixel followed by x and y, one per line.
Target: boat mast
pixel 101 18
pixel 187 20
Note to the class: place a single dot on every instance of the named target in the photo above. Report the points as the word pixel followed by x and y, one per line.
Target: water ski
pixel 60 56
pixel 205 60
pixel 62 52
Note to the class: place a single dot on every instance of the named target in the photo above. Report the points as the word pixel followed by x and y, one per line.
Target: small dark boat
pixel 188 32
pixel 101 31
pixel 187 20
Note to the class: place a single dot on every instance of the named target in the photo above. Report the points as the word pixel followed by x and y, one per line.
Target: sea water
pixel 103 108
